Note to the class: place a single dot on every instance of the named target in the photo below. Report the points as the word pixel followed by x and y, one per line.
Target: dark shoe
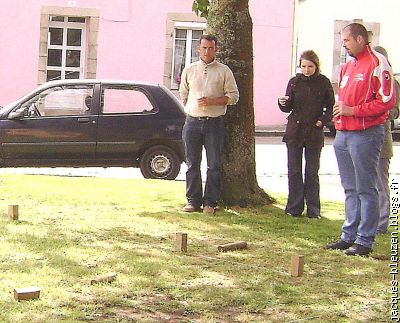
pixel 208 209
pixel 190 208
pixel 358 250
pixel 339 245
pixel 313 216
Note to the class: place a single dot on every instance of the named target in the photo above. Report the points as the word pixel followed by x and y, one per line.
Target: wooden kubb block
pixel 296 269
pixel 232 246
pixel 26 294
pixel 181 242
pixel 13 212
pixel 108 278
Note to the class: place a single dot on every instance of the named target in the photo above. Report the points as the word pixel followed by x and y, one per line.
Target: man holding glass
pixel 365 96
pixel 206 88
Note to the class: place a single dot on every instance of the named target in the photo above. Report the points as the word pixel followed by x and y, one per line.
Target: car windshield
pixel 7 107
pixel 21 99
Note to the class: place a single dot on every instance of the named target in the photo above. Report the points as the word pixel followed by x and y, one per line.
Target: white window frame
pixel 189 26
pixel 65 25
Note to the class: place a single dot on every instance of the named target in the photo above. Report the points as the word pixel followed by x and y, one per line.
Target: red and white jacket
pixel 366 84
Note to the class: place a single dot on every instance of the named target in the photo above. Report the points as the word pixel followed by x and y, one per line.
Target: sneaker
pixel 339 245
pixel 190 208
pixel 313 217
pixel 208 209
pixel 358 250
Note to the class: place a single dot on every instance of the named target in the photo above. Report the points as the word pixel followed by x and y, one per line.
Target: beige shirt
pixel 207 80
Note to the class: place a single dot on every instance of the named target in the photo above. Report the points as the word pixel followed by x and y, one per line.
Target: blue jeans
pixel 210 134
pixel 357 154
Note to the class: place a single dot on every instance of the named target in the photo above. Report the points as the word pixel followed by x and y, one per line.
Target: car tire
pixel 160 162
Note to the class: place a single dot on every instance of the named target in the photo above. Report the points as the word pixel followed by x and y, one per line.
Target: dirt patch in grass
pixel 151 308
pixel 140 315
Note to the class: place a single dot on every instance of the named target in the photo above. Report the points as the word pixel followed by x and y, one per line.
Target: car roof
pixel 97 81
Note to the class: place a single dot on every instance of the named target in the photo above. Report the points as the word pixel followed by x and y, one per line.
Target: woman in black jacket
pixel 309 99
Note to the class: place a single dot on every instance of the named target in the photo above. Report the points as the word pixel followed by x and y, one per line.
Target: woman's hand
pixel 283 100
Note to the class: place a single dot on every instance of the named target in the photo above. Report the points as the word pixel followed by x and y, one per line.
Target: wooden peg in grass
pixel 296 269
pixel 13 212
pixel 181 242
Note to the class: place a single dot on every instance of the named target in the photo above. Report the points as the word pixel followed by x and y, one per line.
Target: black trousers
pixel 307 190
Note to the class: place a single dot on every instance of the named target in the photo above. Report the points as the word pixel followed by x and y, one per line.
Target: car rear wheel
pixel 160 162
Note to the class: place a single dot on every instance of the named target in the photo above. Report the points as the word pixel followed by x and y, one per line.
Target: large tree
pixel 231 22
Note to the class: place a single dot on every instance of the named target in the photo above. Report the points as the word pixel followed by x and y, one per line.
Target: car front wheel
pixel 160 162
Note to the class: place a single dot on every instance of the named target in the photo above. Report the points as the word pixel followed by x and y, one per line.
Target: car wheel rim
pixel 160 164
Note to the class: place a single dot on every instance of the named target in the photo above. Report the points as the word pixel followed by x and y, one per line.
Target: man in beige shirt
pixel 206 88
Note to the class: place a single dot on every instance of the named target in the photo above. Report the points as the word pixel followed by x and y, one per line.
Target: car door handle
pixel 83 120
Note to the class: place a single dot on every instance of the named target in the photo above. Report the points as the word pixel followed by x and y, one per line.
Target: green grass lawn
pixel 71 230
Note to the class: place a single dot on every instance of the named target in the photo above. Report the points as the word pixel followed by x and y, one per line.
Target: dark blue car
pixel 77 123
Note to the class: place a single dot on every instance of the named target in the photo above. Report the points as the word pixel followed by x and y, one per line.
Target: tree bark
pixel 230 22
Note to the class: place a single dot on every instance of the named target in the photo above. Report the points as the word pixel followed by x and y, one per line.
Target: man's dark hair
pixel 209 38
pixel 356 30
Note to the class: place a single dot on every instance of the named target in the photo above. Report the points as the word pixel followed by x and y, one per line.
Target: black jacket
pixel 311 98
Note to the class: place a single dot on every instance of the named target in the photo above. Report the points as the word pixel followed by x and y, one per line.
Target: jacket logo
pixel 359 77
pixel 386 83
pixel 344 81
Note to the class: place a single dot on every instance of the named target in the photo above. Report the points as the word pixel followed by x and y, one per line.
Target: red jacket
pixel 366 84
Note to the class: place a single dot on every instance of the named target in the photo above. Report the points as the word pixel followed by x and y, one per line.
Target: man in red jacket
pixel 365 95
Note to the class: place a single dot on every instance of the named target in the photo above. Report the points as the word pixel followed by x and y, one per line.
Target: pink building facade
pixel 132 40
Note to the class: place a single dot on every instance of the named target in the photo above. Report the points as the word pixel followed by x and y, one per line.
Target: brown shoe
pixel 190 208
pixel 208 209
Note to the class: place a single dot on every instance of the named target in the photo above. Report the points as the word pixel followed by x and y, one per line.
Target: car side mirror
pixel 17 114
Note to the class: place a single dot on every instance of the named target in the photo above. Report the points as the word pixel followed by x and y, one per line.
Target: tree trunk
pixel 230 22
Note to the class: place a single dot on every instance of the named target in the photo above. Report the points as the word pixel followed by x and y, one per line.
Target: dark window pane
pixel 71 75
pixel 180 33
pixel 54 57
pixel 76 19
pixel 74 37
pixel 196 34
pixel 56 36
pixel 53 75
pixel 57 18
pixel 73 58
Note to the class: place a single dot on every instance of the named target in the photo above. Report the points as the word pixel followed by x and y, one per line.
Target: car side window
pixel 125 100
pixel 60 101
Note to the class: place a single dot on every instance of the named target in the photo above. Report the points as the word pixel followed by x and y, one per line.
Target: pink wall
pixel 19 34
pixel 272 42
pixel 140 56
pixel 131 45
